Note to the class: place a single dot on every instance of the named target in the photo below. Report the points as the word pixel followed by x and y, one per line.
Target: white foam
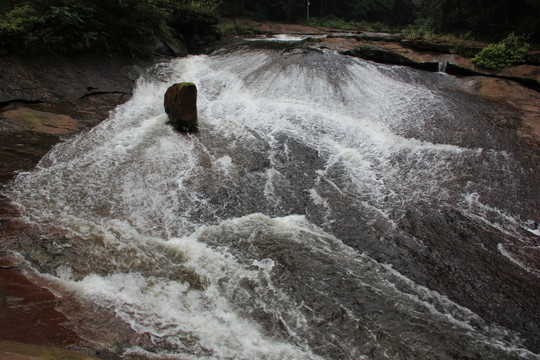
pixel 512 258
pixel 493 217
pixel 285 37
pixel 169 310
pixel 142 202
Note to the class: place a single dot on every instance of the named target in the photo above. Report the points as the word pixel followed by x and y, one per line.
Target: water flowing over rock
pixel 181 106
pixel 333 208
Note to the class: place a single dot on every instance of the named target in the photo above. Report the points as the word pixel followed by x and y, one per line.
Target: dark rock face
pixel 43 99
pixel 85 89
pixel 384 56
pixel 181 106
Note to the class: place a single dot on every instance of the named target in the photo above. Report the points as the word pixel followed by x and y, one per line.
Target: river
pixel 328 208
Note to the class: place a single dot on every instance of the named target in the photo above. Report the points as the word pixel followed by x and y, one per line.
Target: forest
pixel 481 17
pixel 133 26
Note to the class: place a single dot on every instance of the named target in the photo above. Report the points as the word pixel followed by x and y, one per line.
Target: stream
pixel 327 208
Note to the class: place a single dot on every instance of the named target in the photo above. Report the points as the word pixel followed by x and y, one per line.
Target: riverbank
pixel 53 100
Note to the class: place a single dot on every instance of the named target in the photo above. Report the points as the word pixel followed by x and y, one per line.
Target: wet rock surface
pixel 87 100
pixel 85 88
pixel 43 122
pixel 46 99
pixel 28 312
pixel 515 86
pixel 41 102
pixel 11 350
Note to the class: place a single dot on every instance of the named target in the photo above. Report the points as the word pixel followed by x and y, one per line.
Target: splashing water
pixel 319 213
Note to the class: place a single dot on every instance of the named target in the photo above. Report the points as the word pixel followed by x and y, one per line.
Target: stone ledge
pixel 11 350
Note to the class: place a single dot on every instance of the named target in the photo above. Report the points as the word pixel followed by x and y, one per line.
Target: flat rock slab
pixel 28 312
pixel 41 121
pixel 276 28
pixel 10 350
pixel 49 80
pixel 516 95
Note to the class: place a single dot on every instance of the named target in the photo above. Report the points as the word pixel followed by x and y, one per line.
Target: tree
pixel 494 18
pixel 102 26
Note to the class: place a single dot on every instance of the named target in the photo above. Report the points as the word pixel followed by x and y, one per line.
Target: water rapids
pixel 328 208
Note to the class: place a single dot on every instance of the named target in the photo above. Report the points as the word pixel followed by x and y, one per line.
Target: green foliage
pixel 333 22
pixel 134 26
pixel 202 6
pixel 422 28
pixel 237 29
pixel 485 19
pixel 281 10
pixel 480 17
pixel 512 50
pixel 98 26
pixel 14 24
pixel 5 4
pixel 422 32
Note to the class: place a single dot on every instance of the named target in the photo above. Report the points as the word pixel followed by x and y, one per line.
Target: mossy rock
pixel 43 121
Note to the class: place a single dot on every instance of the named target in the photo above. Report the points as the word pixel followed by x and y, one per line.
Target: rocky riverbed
pixel 516 86
pixel 43 101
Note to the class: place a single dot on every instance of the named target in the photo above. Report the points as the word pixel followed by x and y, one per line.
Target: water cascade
pixel 328 208
pixel 442 66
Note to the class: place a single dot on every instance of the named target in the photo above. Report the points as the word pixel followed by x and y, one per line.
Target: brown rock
pixel 11 350
pixel 181 106
pixel 526 100
pixel 522 71
pixel 43 121
pixel 28 312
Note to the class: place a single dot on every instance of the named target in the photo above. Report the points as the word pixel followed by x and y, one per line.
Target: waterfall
pixel 328 208
pixel 442 66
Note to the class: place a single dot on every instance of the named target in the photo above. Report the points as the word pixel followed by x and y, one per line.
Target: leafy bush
pixel 422 28
pixel 332 22
pixel 97 26
pixel 238 29
pixel 14 25
pixel 510 51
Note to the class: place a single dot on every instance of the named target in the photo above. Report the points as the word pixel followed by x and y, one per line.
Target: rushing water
pixel 328 208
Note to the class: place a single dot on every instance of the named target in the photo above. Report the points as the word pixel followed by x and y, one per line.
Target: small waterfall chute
pixel 443 64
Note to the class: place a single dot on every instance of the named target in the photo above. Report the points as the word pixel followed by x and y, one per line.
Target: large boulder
pixel 181 106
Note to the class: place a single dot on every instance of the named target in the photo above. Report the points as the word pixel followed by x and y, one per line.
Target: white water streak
pixel 132 186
